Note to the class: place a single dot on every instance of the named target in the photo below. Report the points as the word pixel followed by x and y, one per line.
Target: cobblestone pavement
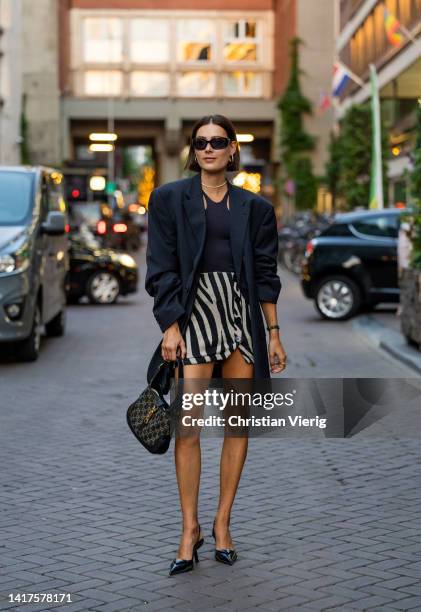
pixel 323 524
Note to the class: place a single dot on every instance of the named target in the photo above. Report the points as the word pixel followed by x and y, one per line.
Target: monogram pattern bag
pixel 150 417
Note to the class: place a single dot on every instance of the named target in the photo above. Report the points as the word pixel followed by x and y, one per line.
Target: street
pixel 329 524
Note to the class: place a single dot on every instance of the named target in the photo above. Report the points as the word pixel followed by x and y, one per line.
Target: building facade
pixel 151 69
pixel 156 67
pixel 40 80
pixel 363 40
pixel 10 81
pixel 314 24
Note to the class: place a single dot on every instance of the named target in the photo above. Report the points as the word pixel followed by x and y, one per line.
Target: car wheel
pixel 28 349
pixel 103 288
pixel 337 298
pixel 57 325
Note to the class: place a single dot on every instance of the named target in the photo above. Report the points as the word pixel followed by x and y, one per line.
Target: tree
pixel 295 141
pixel 333 167
pixel 415 190
pixel 130 168
pixel 348 168
pixel 415 181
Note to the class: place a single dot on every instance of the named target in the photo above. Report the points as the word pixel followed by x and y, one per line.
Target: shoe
pixel 178 566
pixel 224 555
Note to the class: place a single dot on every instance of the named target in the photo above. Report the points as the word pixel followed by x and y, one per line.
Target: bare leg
pixel 233 456
pixel 188 465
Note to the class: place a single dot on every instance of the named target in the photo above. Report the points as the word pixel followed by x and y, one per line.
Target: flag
pixel 392 26
pixel 376 179
pixel 324 102
pixel 340 78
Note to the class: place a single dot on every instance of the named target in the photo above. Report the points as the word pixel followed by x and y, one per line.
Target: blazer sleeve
pixel 266 258
pixel 162 280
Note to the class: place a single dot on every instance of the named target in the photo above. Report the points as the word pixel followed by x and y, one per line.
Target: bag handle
pixel 163 366
pixel 169 364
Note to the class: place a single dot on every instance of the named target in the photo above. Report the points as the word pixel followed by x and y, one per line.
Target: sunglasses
pixel 216 142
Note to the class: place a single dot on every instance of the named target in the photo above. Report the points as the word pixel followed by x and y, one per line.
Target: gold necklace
pixel 214 186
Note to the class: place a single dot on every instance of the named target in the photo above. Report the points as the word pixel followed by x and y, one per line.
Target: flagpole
pixel 376 184
pixel 353 76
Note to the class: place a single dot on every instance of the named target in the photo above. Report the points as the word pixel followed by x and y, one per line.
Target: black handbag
pixel 151 418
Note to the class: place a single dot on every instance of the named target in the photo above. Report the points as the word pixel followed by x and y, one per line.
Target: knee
pixel 187 441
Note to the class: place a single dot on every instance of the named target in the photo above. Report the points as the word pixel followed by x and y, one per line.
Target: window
pixel 384 226
pixel 102 40
pixel 140 53
pixel 149 40
pixel 147 83
pixel 240 41
pixel 195 40
pixel 103 82
pixel 15 197
pixel 337 229
pixel 196 84
pixel 242 84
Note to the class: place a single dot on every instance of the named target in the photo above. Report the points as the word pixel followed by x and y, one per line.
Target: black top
pixel 217 255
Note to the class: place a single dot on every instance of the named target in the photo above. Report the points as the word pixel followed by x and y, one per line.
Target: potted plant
pixel 410 282
pixel 410 277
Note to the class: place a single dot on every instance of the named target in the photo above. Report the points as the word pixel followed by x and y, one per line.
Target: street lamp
pixel 103 137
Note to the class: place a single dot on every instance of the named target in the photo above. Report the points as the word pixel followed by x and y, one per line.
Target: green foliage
pixel 348 168
pixel 295 141
pixel 305 183
pixel 415 187
pixel 333 166
pixel 130 168
pixel 415 183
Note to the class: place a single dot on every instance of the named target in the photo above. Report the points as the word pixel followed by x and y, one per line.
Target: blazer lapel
pixel 239 215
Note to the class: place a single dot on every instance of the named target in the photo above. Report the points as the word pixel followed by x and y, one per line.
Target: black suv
pixel 352 265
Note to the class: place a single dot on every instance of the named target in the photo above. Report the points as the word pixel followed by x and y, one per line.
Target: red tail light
pixel 309 247
pixel 67 228
pixel 101 227
pixel 119 228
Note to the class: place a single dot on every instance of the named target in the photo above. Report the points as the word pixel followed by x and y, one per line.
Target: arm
pixel 266 258
pixel 162 280
pixel 269 284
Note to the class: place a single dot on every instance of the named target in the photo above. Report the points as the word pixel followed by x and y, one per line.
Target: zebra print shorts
pixel 220 320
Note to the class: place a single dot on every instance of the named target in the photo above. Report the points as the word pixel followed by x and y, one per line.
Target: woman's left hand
pixel 277 355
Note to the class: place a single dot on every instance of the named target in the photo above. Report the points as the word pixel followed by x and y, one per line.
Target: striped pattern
pixel 220 320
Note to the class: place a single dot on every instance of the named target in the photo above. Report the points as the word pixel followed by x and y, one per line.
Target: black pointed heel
pixel 224 555
pixel 178 566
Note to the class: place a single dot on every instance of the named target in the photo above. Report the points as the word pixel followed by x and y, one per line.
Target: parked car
pixel 100 273
pixel 33 257
pixel 352 264
pixel 97 215
pixel 113 226
pixel 124 232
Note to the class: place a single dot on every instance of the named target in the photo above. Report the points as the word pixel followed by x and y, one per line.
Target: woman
pixel 212 270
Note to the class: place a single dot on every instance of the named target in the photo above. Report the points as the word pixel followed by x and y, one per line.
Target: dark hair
pixel 224 122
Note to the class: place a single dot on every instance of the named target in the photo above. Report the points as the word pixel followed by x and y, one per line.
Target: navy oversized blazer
pixel 176 238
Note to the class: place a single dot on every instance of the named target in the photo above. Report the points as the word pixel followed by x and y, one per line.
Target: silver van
pixel 34 260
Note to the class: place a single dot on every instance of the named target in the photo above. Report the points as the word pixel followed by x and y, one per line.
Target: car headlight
pixel 13 262
pixel 7 263
pixel 127 260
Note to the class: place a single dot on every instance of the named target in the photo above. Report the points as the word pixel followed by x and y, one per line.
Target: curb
pixel 389 340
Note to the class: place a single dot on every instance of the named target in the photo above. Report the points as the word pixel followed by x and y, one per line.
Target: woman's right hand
pixel 172 342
